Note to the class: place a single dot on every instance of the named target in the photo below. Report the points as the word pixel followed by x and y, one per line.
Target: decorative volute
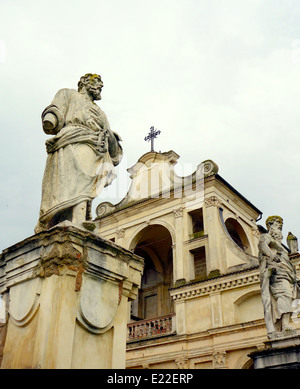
pixel 153 176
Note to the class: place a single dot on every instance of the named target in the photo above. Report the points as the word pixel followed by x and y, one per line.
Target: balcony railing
pixel 149 328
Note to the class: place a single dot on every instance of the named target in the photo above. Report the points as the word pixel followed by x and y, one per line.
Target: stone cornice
pixel 202 335
pixel 226 282
pixel 64 232
pixel 191 339
pixel 66 249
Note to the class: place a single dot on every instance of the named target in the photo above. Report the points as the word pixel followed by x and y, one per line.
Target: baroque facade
pixel 199 304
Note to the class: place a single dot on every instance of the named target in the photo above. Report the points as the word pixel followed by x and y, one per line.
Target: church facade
pixel 199 302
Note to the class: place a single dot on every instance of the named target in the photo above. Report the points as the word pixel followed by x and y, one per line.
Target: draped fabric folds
pixel 81 155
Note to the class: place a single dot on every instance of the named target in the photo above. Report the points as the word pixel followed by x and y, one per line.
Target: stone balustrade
pixel 158 326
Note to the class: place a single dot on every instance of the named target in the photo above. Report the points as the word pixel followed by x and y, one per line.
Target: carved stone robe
pixel 278 280
pixel 81 155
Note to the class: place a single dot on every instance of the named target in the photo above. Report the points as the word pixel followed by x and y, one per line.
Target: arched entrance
pixel 154 244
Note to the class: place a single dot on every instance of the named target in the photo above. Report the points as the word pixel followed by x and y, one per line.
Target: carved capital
pixel 255 232
pixel 121 233
pixel 178 212
pixel 212 201
pixel 219 358
pixel 182 362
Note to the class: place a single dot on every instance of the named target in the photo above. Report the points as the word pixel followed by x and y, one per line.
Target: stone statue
pixel 81 155
pixel 292 243
pixel 279 285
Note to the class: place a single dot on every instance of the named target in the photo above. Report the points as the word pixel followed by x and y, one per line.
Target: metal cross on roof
pixel 151 136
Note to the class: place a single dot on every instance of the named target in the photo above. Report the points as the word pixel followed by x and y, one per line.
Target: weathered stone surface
pixel 283 353
pixel 292 243
pixel 81 155
pixel 279 284
pixel 3 330
pixel 68 288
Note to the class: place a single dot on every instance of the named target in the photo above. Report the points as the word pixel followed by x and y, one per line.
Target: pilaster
pixel 216 309
pixel 179 268
pixel 211 226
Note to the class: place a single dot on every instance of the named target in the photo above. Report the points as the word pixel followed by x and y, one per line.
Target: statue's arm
pixel 264 247
pixel 114 147
pixel 53 116
pixel 49 122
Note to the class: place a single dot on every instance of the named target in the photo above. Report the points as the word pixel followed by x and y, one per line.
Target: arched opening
pixel 154 244
pixel 248 365
pixel 249 307
pixel 238 235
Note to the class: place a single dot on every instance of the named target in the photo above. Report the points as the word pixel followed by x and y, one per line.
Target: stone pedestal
pixel 67 290
pixel 281 353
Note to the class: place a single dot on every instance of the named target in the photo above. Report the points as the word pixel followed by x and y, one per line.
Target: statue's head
pixel 274 225
pixel 93 85
pixel 275 222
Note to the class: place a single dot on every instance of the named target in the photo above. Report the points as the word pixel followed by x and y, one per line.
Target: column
pixel 216 309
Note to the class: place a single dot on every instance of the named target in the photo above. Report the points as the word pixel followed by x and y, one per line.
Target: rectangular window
pixel 199 262
pixel 197 226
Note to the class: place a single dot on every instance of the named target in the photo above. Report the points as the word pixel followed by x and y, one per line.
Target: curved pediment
pixel 154 176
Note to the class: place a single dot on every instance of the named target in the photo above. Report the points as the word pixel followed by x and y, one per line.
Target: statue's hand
pixel 277 258
pixel 95 138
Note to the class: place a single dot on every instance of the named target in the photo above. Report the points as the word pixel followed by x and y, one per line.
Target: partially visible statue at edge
pixel 81 155
pixel 279 284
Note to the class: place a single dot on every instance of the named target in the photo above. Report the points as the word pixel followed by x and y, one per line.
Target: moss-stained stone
pixel 214 273
pixel 90 226
pixel 271 219
pixel 180 282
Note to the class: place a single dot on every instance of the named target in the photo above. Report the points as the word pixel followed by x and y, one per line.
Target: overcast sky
pixel 219 78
